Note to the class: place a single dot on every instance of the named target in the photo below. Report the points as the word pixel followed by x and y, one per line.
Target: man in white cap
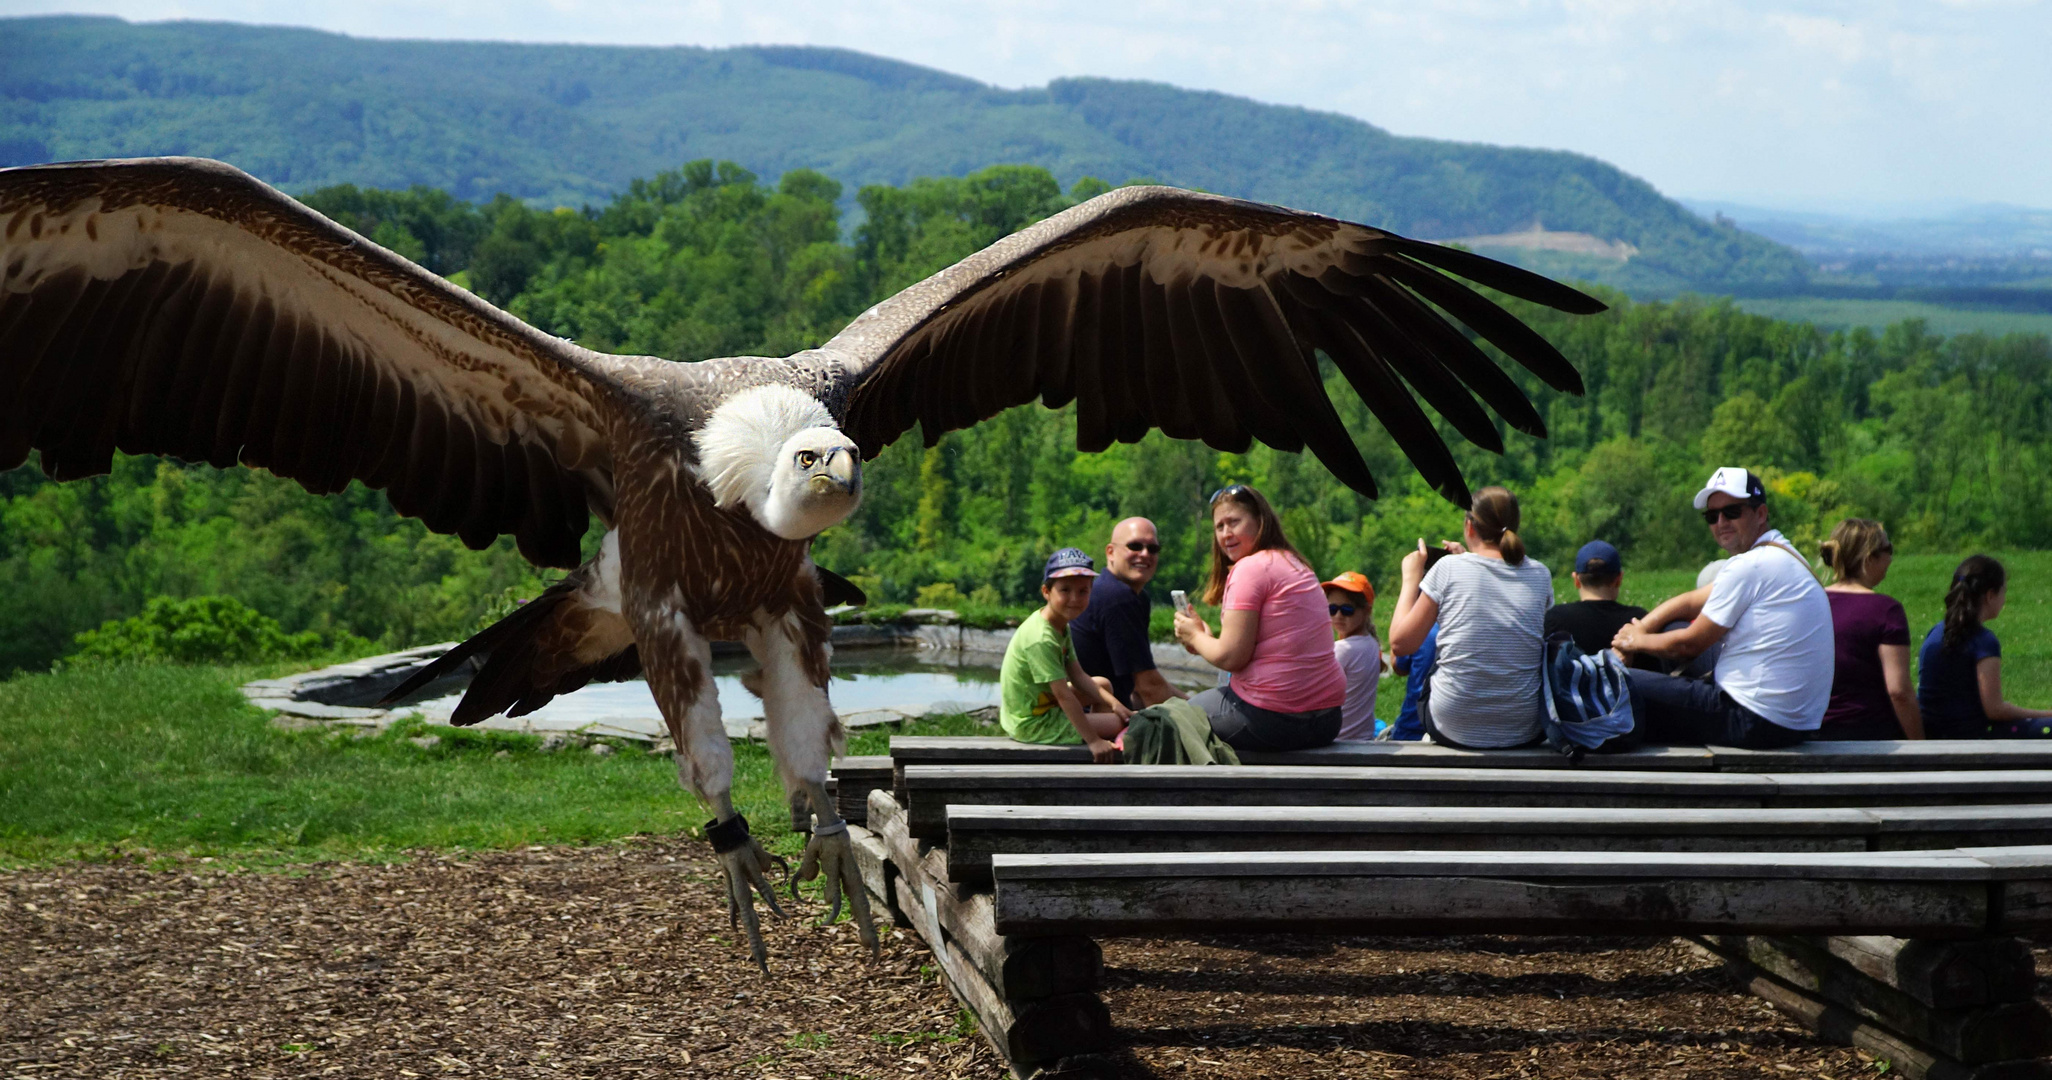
pixel 1773 676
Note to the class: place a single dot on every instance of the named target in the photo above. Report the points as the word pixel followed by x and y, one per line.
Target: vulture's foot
pixel 747 866
pixel 830 855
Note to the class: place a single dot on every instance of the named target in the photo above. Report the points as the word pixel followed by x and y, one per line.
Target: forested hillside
pixel 568 125
pixel 1946 441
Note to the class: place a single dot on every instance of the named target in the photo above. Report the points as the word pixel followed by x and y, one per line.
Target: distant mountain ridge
pixel 570 124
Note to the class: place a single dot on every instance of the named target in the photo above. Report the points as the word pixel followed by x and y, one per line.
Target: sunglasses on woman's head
pixel 1229 489
pixel 1142 545
pixel 1728 513
pixel 1339 609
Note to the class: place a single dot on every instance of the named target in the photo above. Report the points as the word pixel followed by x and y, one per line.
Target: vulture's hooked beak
pixel 840 473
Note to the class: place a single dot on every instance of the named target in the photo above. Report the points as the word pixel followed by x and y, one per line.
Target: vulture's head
pixel 777 450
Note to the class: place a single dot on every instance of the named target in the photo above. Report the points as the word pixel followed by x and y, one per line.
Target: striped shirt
pixel 1484 689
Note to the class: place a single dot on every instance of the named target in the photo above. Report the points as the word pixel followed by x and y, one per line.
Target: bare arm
pixel 1232 649
pixel 1152 689
pixel 1683 608
pixel 1094 698
pixel 1684 644
pixel 1989 671
pixel 1102 751
pixel 1415 612
pixel 1902 693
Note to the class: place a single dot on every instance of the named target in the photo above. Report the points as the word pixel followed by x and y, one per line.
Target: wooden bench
pixel 1937 894
pixel 930 789
pixel 976 833
pixel 1876 756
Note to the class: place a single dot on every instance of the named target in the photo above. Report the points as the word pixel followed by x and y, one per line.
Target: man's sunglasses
pixel 1339 609
pixel 1730 512
pixel 1142 545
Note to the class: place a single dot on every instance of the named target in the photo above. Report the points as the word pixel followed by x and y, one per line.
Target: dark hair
pixel 1854 543
pixel 1975 579
pixel 1599 574
pixel 1495 514
pixel 1271 537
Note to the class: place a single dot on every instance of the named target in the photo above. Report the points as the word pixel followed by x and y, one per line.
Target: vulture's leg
pixel 804 734
pixel 678 661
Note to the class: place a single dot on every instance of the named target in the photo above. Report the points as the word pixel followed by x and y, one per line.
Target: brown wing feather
pixel 1158 308
pixel 178 306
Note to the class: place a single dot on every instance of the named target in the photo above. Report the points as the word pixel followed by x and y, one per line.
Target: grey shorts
pixel 1250 727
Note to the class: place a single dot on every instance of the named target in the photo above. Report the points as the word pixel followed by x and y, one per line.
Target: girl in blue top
pixel 1959 677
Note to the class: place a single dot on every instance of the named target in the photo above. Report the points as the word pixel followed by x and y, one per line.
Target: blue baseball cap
pixel 1598 551
pixel 1069 562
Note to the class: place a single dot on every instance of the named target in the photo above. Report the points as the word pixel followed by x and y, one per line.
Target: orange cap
pixel 1353 583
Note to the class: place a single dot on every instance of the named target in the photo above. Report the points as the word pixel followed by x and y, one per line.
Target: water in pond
pixel 865 680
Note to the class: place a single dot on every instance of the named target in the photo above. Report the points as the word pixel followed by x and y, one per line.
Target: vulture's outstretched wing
pixel 180 306
pixel 1197 314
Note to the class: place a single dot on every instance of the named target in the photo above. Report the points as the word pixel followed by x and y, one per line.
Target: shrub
pixel 197 630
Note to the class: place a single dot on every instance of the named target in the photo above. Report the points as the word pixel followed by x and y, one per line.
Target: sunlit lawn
pixel 169 759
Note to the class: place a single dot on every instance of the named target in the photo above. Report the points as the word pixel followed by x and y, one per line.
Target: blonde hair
pixel 1853 544
pixel 1494 512
pixel 1270 537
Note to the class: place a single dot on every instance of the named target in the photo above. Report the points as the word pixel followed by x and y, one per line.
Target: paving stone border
pixel 344 695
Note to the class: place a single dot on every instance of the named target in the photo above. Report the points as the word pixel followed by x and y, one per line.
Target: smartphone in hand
pixel 1180 599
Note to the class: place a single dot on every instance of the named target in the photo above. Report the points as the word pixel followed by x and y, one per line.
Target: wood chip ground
pixel 618 961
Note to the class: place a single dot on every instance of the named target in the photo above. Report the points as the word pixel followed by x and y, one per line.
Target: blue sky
pixel 1874 108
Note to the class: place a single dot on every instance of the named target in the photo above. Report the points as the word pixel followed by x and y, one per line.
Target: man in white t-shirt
pixel 1773 676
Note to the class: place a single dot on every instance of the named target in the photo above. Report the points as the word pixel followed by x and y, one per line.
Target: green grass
pixel 169 761
pixel 1943 318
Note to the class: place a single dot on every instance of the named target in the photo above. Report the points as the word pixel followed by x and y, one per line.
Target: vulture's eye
pixel 806 459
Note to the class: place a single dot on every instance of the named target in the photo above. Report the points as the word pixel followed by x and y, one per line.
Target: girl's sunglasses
pixel 1339 609
pixel 1229 489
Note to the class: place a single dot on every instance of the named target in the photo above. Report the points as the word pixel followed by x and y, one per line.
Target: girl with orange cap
pixel 1350 600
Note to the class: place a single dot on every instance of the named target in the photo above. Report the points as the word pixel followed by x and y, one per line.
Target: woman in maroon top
pixel 1872 695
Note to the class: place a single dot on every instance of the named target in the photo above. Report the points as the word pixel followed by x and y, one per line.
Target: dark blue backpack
pixel 1588 699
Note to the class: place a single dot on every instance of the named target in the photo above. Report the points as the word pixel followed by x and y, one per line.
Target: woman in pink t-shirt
pixel 1273 635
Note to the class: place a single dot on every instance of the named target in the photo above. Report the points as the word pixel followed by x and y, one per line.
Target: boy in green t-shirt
pixel 1046 696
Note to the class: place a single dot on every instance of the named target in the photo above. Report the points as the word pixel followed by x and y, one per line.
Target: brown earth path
pixel 618 961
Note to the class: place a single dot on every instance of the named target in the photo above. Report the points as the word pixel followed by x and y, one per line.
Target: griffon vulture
pixel 179 306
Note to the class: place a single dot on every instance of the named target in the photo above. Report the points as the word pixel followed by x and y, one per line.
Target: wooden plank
pixel 1904 1055
pixel 1885 866
pixel 1973 1035
pixel 1888 755
pixel 1942 974
pixel 930 789
pixel 975 833
pixel 999 750
pixel 1459 904
pixel 1831 756
pixel 1024 1033
pixel 1993 825
pixel 874 863
pixel 853 778
pixel 1911 788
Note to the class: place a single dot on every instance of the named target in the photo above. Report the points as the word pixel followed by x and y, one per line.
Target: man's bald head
pixel 1135 568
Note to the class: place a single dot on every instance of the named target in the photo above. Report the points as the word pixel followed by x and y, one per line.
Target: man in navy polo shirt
pixel 1110 637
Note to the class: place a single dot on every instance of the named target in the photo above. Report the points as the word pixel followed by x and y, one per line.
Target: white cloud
pixel 1859 101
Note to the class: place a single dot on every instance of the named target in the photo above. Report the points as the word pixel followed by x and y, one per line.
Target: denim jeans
pixel 1694 712
pixel 1250 727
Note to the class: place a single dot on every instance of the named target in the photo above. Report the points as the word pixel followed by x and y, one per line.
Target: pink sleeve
pixel 1250 582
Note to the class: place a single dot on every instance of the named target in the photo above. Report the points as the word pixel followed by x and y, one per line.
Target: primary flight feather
pixel 179 306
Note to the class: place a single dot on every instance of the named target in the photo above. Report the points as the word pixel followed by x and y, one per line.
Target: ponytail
pixel 1972 583
pixel 1495 515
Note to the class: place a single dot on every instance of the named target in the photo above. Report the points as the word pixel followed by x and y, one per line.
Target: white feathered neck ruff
pixel 739 445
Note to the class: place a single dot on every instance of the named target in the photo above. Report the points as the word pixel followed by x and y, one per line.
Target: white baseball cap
pixel 1735 482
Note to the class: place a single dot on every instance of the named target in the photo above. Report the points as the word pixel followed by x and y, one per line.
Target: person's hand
pixel 1101 752
pixel 1626 640
pixel 1454 547
pixel 1413 568
pixel 1189 628
pixel 1121 710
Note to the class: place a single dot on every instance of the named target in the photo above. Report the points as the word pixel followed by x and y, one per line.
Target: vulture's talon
pixel 746 868
pixel 832 857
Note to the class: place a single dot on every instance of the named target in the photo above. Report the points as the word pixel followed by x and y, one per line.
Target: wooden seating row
pixel 975 834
